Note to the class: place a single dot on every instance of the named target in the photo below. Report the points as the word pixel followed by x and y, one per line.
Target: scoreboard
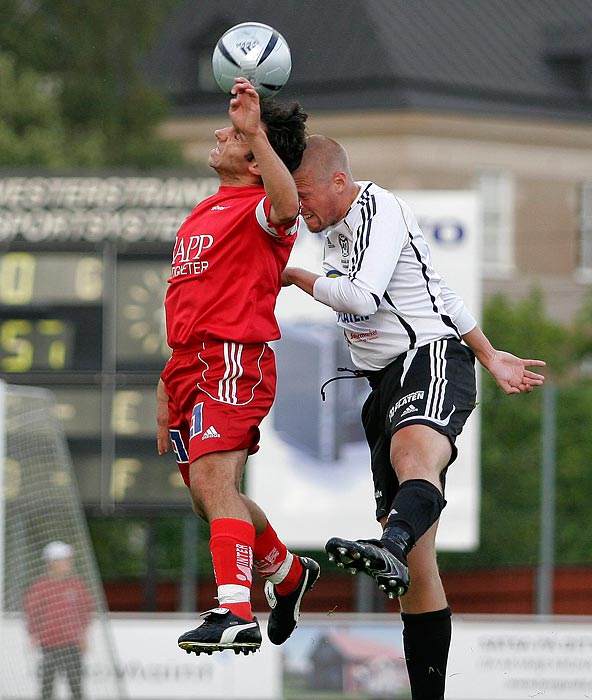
pixel 84 263
pixel 53 305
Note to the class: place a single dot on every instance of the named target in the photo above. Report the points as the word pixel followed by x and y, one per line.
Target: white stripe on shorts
pixel 438 382
pixel 234 370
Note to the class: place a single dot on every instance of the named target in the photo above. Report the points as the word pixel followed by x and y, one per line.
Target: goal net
pixel 54 628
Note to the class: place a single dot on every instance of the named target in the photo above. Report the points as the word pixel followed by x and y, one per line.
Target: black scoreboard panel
pixel 84 263
pixel 140 319
pixel 137 475
pixel 53 313
pixel 50 312
pixel 52 304
pixel 62 279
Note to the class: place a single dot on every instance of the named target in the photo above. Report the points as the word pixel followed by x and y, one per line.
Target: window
pixel 585 253
pixel 496 189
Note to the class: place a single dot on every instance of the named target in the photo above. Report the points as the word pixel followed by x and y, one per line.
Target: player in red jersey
pixel 219 383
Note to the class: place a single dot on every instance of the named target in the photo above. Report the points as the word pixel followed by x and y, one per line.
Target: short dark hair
pixel 285 130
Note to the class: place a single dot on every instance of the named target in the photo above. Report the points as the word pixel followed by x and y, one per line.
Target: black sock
pixel 416 507
pixel 426 641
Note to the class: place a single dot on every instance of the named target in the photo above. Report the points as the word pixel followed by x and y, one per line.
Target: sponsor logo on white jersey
pixel 359 337
pixel 211 432
pixel 354 318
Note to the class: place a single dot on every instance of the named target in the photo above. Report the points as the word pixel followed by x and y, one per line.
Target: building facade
pixel 492 96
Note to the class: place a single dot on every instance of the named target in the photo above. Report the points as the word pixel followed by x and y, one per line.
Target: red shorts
pixel 218 395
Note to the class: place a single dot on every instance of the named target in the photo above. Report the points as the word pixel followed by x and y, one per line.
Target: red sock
pixel 272 558
pixel 231 546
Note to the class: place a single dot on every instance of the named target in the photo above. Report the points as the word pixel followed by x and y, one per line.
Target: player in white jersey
pixel 404 327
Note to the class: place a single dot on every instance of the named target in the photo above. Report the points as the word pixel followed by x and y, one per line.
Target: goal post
pixel 53 617
pixel 2 491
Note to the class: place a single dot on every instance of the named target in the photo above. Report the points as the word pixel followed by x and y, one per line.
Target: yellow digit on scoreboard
pixel 17 278
pixel 56 351
pixel 15 340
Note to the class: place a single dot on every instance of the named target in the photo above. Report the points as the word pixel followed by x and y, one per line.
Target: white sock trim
pixel 231 593
pixel 282 572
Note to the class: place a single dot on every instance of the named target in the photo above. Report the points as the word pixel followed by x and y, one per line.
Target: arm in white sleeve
pixel 344 294
pixel 456 309
pixel 376 252
pixel 321 288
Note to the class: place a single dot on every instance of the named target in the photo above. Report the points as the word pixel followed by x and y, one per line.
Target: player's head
pixel 286 131
pixel 324 181
pixel 232 158
pixel 58 557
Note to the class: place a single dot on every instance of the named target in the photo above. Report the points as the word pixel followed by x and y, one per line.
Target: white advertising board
pixel 516 659
pixel 499 657
pixel 154 668
pixel 308 500
pixel 150 665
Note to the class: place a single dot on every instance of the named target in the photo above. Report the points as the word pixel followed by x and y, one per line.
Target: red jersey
pixel 226 270
pixel 58 610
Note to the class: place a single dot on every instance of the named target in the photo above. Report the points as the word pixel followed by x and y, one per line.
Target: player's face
pixel 61 567
pixel 231 157
pixel 321 204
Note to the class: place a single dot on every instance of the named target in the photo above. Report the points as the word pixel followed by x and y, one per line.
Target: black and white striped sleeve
pixel 379 233
pixel 456 309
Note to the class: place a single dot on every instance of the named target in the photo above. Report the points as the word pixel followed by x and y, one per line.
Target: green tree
pixel 31 130
pixel 584 331
pixel 511 440
pixel 574 477
pixel 88 53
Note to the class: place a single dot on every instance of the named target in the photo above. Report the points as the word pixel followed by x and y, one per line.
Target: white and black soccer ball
pixel 253 51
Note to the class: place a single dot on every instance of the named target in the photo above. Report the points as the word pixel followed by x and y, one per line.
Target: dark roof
pixel 513 57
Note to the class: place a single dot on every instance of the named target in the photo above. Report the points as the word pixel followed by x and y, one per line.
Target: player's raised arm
pixel 245 113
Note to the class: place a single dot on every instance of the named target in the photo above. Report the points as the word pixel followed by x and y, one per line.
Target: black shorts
pixel 433 385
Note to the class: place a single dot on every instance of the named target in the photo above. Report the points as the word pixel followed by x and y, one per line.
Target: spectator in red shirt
pixel 58 607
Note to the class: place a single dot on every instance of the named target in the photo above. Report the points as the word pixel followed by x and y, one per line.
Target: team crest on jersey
pixel 344 244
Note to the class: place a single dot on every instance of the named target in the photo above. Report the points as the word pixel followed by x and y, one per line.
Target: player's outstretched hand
pixel 511 373
pixel 244 109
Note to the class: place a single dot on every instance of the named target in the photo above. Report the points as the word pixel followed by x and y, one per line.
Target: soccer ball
pixel 253 51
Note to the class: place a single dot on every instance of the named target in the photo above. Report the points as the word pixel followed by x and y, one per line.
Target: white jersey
pixel 380 281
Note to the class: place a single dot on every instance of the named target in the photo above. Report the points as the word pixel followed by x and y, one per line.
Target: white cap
pixel 57 550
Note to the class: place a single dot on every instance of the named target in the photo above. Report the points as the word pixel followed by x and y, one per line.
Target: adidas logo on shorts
pixel 408 410
pixel 211 432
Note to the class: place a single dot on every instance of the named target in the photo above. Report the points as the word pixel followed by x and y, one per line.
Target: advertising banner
pixel 149 664
pixel 513 659
pixel 332 657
